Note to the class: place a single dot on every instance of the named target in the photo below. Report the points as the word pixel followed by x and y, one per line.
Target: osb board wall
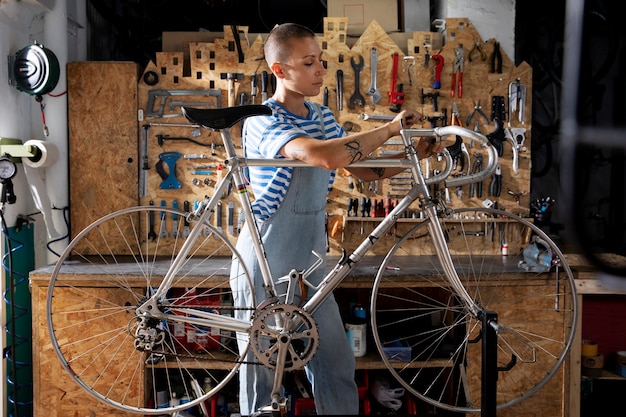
pixel 210 60
pixel 203 74
pixel 102 118
pixel 55 394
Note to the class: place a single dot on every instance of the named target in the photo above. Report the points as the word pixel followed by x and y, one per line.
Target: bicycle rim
pixel 430 341
pixel 110 268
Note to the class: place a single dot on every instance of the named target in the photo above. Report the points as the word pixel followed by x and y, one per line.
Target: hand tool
pixel 496 59
pixel 479 49
pixel 175 219
pixel 196 206
pixel 325 97
pixel 457 68
pixel 218 216
pixel 165 94
pixel 232 78
pixel 496 182
pixel 408 63
pixel 519 134
pixel 508 136
pixel 497 137
pixel 396 96
pixel 186 229
pixel 263 86
pixel 169 179
pixel 438 67
pixel 517 196
pixel 162 138
pixel 151 233
pixel 455 119
pixel 427 45
pixel 241 219
pixel 220 174
pixel 339 90
pixel 253 88
pixel 231 218
pixel 145 166
pixel 478 166
pixel 517 100
pixel 357 98
pixel 434 119
pixel 242 102
pixel 433 97
pixel 497 108
pixel 326 233
pixel 366 116
pixel 273 82
pixel 195 156
pixel 174 104
pixel 373 90
pixel 162 230
pixel 237 37
pixel 477 109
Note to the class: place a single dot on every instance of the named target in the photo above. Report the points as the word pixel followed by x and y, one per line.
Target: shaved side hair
pixel 277 46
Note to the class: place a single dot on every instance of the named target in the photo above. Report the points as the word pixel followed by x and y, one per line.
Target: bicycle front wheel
pixel 431 341
pixel 130 362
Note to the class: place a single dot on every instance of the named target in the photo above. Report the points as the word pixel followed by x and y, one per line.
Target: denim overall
pixel 289 236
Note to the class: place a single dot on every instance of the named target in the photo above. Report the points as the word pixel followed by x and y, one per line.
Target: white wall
pixel 493 19
pixel 54 24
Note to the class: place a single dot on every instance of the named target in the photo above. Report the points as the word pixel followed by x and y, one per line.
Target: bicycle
pixel 124 345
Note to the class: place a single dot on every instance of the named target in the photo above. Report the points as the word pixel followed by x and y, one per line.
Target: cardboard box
pixel 360 14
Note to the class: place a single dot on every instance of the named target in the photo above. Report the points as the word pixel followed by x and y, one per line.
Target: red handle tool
pixel 438 67
pixel 396 96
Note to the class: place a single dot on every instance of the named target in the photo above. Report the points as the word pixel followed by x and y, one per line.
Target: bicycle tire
pixel 106 271
pixel 422 314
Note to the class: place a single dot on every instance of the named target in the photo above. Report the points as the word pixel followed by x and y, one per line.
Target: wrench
pixel 356 97
pixel 162 230
pixel 373 91
pixel 366 116
pixel 339 90
pixel 151 233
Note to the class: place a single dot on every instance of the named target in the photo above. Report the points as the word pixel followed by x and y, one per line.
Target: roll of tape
pixel 592 366
pixel 594 362
pixel 46 154
pixel 589 348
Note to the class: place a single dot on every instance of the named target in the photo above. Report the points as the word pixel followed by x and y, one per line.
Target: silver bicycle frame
pixel 333 279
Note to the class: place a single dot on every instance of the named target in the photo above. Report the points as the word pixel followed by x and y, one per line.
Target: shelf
pixel 607 376
pixel 412 220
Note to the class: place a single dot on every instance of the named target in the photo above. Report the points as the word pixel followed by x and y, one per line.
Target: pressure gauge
pixel 8 169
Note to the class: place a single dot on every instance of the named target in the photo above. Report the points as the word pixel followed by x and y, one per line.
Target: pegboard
pixel 203 81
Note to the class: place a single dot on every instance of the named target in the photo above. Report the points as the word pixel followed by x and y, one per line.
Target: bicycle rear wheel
pixel 109 269
pixel 431 342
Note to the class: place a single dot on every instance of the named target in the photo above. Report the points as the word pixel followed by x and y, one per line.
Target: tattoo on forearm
pixel 356 153
pixel 379 172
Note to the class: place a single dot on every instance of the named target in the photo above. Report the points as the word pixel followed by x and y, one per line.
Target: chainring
pixel 284 326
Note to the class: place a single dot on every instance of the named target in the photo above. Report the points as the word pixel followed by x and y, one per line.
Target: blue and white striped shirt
pixel 266 135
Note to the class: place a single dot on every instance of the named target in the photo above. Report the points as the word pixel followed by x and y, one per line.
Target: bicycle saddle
pixel 224 118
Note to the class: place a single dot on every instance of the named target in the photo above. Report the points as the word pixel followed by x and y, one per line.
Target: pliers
pixel 496 59
pixel 477 47
pixel 477 108
pixel 457 66
pixel 478 166
pixel 496 182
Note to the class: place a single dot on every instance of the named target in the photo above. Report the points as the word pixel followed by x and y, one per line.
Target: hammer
pixel 232 78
